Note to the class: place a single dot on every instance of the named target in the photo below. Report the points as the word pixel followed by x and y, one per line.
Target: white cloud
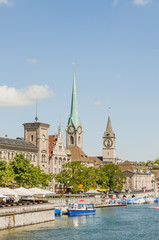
pixel 11 97
pixel 115 2
pixel 6 2
pixel 142 2
pixel 32 60
pixel 97 103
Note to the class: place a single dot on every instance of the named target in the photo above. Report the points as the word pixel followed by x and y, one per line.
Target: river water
pixel 134 222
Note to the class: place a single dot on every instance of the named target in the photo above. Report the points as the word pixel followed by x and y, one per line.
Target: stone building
pixel 37 134
pixel 34 146
pixel 10 147
pixel 138 177
pixel 58 155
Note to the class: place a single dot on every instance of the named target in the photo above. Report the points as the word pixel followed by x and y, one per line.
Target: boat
pixel 81 209
pixel 149 200
pixel 139 201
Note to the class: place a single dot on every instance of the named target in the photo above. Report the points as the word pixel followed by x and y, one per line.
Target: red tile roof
pixel 52 143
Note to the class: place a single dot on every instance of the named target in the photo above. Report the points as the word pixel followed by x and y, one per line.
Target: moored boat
pixel 139 201
pixel 81 209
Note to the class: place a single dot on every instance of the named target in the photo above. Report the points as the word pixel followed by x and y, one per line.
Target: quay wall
pixel 62 202
pixel 11 217
pixel 137 194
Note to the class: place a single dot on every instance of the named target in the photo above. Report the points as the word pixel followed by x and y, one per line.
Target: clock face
pixel 79 130
pixel 71 130
pixel 43 138
pixel 108 142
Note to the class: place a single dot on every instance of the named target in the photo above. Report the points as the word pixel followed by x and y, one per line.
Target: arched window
pixel 32 138
pixel 43 158
pixel 60 160
pixel 72 140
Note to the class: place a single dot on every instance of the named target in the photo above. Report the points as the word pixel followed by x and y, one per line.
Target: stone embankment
pixel 17 216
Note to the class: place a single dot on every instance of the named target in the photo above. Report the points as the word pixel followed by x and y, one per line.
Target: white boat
pixel 139 201
pixel 149 200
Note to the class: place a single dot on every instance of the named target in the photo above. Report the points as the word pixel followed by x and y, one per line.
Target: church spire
pixel 109 130
pixel 74 117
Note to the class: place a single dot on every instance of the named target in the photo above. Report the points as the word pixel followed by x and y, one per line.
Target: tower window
pixel 79 140
pixel 71 140
pixel 32 137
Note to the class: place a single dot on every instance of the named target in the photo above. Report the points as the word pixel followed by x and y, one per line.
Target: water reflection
pixel 77 221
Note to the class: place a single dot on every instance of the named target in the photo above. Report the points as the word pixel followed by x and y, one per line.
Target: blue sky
pixel 115 45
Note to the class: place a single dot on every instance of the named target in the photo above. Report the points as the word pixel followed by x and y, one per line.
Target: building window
pixel 34 158
pixel 12 156
pixel 72 140
pixel 32 137
pixel 0 155
pixel 8 155
pixel 60 148
pixel 60 161
pixel 43 158
pixel 79 140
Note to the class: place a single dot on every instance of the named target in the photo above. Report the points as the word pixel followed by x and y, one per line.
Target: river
pixel 134 222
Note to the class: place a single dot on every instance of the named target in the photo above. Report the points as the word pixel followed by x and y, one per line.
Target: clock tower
pixel 74 127
pixel 109 149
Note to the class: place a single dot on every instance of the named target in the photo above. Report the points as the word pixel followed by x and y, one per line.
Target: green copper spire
pixel 74 117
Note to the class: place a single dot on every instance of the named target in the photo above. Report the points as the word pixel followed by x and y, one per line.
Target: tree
pixel 26 174
pixel 115 178
pixel 6 173
pixel 75 174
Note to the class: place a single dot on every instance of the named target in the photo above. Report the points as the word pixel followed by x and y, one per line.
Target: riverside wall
pixel 11 217
pixel 137 194
pixel 62 202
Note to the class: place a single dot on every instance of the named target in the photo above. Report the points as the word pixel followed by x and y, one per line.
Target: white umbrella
pixel 39 191
pixel 23 191
pixel 92 191
pixel 8 192
pixel 2 196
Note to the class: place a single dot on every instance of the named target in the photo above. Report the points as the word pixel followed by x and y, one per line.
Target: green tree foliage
pixel 75 174
pixel 26 174
pixel 6 174
pixel 114 175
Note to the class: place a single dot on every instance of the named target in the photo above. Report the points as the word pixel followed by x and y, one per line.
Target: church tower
pixel 74 128
pixel 37 134
pixel 109 149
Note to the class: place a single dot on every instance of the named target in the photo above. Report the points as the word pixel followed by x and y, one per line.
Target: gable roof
pixel 16 143
pixel 131 166
pixel 78 155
